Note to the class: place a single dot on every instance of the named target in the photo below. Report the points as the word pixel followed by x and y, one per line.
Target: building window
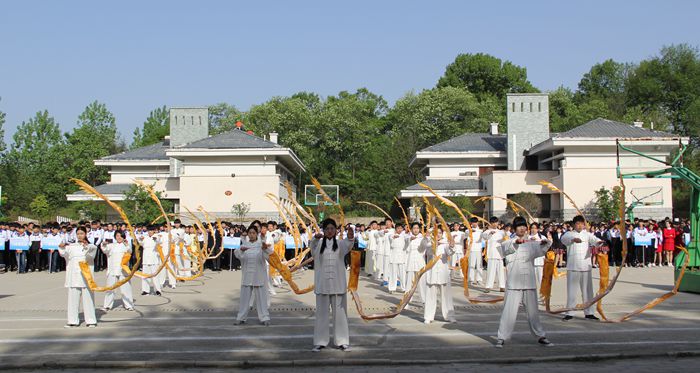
pixel 522 106
pixel 539 107
pixel 531 163
pixel 513 107
pixel 531 107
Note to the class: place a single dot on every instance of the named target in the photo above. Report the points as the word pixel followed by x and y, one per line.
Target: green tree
pixel 94 137
pixel 240 210
pixel 155 128
pixel 670 82
pixel 40 207
pixel 486 75
pixel 606 81
pixel 34 161
pixel 529 201
pixel 222 118
pixel 139 206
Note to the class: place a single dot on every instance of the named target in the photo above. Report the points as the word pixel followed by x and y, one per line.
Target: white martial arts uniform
pixel 75 283
pixel 521 286
pixel 415 261
pixel 165 274
pixel 115 252
pixel 181 258
pixel 476 271
pixel 538 262
pixel 151 263
pixel 494 256
pixel 438 280
pixel 373 249
pixel 578 268
pixel 458 238
pixel 383 248
pixel 254 278
pixel 330 287
pixel 397 261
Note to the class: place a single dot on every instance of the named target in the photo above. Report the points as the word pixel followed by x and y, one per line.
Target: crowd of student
pixel 392 253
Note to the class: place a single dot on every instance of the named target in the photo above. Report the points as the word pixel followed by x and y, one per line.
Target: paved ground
pixel 193 325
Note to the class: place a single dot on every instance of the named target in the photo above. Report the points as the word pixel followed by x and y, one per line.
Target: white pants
pixel 261 303
pixel 74 295
pixel 458 255
pixel 397 272
pixel 476 272
pixel 184 264
pixel 370 261
pixel 446 304
pixel 539 272
pixel 147 283
pixel 584 281
pixel 386 267
pixel 495 270
pixel 168 275
pixel 510 313
pixel 379 266
pixel 125 289
pixel 338 303
pixel 410 276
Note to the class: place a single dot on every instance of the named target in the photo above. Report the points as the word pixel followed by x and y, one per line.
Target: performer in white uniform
pixel 438 280
pixel 164 241
pixel 520 252
pixel 476 272
pixel 397 258
pixel 331 285
pixel 415 260
pixel 372 247
pixel 458 237
pixel 115 252
pixel 151 262
pixel 75 282
pixel 578 244
pixel 494 237
pixel 253 258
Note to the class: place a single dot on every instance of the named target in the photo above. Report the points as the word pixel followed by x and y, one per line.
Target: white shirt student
pixel 115 253
pixel 253 257
pixel 330 286
pixel 75 253
pixel 578 244
pixel 521 285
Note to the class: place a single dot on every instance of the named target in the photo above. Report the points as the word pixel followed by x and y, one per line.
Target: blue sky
pixel 138 55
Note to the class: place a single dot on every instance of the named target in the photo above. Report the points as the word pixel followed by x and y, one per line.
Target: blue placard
pixel 640 240
pixel 19 243
pixel 686 238
pixel 232 243
pixel 50 243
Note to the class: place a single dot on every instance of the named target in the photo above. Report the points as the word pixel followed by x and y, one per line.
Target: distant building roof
pixel 448 184
pixel 149 152
pixel 109 188
pixel 471 142
pixel 605 128
pixel 234 139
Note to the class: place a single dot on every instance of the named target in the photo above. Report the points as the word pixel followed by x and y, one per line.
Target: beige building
pixel 579 162
pixel 194 169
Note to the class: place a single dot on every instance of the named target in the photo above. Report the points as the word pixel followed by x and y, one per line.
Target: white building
pixel 579 162
pixel 194 169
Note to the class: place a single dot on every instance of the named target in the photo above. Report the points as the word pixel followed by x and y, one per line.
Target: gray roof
pixel 149 152
pixel 604 128
pixel 471 142
pixel 109 188
pixel 234 139
pixel 448 184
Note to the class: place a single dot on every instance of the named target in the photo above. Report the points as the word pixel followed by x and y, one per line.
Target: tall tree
pixel 155 128
pixel 222 118
pixel 486 75
pixel 606 81
pixel 670 82
pixel 2 132
pixel 94 137
pixel 34 160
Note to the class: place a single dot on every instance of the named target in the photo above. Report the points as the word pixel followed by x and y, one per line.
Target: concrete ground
pixel 191 327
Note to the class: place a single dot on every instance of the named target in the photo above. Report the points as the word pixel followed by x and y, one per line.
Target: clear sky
pixel 138 55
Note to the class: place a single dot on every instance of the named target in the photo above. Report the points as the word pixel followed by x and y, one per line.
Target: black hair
pixel 414 224
pixel 119 232
pixel 324 224
pixel 177 221
pixel 579 218
pixel 388 219
pixel 253 227
pixel 493 219
pixel 535 224
pixel 473 220
pixel 519 221
pixel 81 228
